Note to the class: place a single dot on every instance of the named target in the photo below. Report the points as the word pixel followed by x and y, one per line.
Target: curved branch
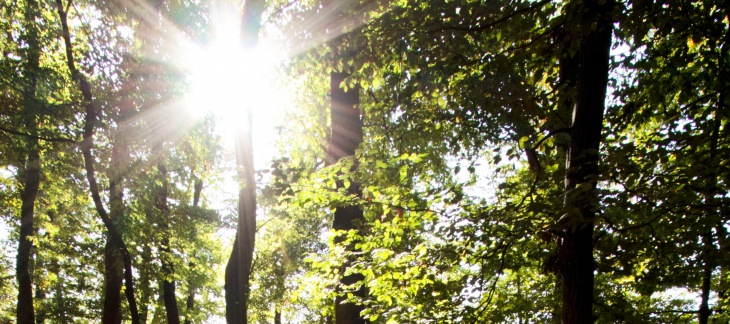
pixel 86 146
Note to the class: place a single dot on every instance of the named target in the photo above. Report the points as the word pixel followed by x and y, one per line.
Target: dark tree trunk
pixel 145 282
pixel 113 280
pixel 704 312
pixel 713 215
pixel 113 265
pixel 190 304
pixel 168 285
pixel 86 147
pixel 575 251
pixel 238 269
pixel 29 173
pixel 346 135
pixel 168 270
pixel 277 315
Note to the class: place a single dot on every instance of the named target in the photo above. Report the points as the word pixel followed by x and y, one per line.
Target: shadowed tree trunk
pixel 703 314
pixel 30 172
pixel 113 280
pixel 575 251
pixel 86 147
pixel 238 269
pixel 113 269
pixel 145 283
pixel 277 315
pixel 713 214
pixel 190 304
pixel 113 263
pixel 168 281
pixel 345 137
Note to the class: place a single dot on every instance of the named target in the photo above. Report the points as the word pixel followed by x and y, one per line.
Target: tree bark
pixel 346 135
pixel 190 304
pixel 713 215
pixel 113 265
pixel 86 147
pixel 238 269
pixel 277 315
pixel 29 173
pixel 575 251
pixel 145 283
pixel 168 270
pixel 703 314
pixel 113 280
pixel 713 205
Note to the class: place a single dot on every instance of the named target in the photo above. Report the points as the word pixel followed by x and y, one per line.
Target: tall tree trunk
pixel 346 135
pixel 113 280
pixel 703 314
pixel 714 208
pixel 113 268
pixel 190 305
pixel 575 251
pixel 86 147
pixel 238 269
pixel 168 281
pixel 29 173
pixel 145 282
pixel 713 215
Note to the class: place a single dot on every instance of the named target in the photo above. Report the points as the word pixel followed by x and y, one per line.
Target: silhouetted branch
pixel 48 139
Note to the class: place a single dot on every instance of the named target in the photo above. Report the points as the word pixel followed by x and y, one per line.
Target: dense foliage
pixel 484 193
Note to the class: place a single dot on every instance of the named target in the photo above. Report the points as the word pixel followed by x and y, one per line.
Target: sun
pixel 227 79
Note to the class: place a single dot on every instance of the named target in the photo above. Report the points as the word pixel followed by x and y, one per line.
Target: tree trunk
pixel 704 312
pixel 86 147
pixel 113 265
pixel 277 315
pixel 145 282
pixel 346 135
pixel 29 173
pixel 238 269
pixel 576 247
pixel 168 281
pixel 190 304
pixel 112 311
pixel 713 214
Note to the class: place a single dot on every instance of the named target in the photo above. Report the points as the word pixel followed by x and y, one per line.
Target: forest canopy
pixel 364 161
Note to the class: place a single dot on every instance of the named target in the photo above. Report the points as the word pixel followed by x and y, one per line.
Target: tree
pixel 238 270
pixel 30 172
pixel 90 119
pixel 529 161
pixel 575 251
pixel 345 137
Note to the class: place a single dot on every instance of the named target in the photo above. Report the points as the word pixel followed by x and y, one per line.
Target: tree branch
pixel 86 146
pixel 494 23
pixel 31 136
